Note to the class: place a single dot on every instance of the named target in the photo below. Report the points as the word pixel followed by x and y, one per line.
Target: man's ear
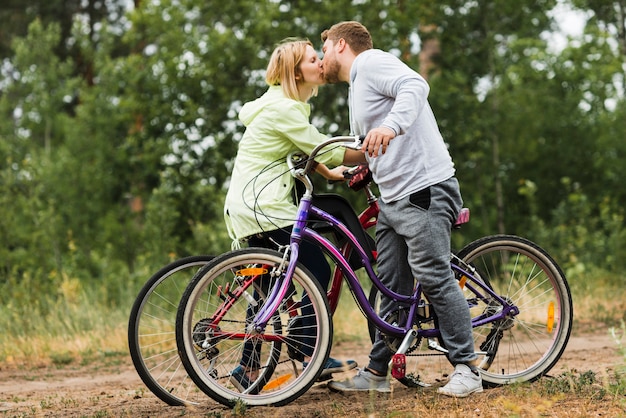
pixel 341 44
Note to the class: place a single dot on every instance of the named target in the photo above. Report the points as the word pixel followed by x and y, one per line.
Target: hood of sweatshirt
pixel 252 109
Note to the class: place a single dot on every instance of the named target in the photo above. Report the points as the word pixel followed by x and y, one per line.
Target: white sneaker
pixel 363 381
pixel 462 383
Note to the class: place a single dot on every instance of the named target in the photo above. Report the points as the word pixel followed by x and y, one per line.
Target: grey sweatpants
pixel 413 242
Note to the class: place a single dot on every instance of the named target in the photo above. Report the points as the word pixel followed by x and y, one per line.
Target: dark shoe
pixel 239 378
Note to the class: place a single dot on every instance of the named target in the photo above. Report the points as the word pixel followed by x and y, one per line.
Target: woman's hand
pixel 336 174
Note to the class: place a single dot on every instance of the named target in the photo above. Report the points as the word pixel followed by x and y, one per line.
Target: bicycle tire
pixel 151 335
pixel 210 356
pixel 522 347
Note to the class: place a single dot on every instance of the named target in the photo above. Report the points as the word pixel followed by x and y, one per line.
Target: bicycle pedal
pixel 325 378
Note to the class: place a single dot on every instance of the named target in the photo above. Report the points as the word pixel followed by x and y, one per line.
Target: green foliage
pixel 118 132
pixel 586 239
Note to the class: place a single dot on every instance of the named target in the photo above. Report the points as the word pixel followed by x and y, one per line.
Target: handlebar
pixel 295 160
pixel 350 141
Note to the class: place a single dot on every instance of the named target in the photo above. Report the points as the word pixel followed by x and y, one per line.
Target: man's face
pixel 330 64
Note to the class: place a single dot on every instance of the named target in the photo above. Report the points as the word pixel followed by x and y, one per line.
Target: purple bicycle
pixel 262 305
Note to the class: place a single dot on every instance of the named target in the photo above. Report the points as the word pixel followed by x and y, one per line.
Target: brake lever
pixel 357 143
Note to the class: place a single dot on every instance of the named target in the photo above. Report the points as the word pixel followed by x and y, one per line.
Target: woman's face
pixel 311 68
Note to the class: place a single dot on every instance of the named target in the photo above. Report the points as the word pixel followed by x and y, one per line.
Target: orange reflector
pixel 273 384
pixel 252 271
pixel 462 281
pixel 550 324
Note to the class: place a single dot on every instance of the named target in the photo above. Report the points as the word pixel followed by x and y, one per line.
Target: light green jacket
pixel 260 194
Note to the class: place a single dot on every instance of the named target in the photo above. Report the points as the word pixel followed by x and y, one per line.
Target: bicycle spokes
pixel 522 318
pixel 228 356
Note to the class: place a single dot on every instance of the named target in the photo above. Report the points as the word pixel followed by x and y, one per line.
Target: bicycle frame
pixel 339 256
pixel 301 231
pixel 367 219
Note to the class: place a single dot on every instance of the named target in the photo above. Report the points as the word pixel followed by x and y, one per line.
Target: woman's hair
pixel 284 66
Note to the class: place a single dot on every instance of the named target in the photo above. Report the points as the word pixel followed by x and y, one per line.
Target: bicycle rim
pixel 151 335
pixel 213 337
pixel 525 346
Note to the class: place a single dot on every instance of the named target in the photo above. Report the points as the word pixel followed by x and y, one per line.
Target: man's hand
pixel 376 139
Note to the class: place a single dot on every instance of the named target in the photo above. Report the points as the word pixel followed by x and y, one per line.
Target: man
pixel 420 196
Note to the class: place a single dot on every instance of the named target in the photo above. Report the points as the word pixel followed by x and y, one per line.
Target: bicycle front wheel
pixel 525 346
pixel 215 341
pixel 151 336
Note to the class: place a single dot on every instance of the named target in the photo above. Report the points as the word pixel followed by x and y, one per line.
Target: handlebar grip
pixel 357 141
pixel 358 176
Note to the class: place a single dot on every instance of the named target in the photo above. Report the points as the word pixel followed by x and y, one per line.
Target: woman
pixel 260 207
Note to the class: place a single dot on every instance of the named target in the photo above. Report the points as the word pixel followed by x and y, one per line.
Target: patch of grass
pixel 619 378
pixel 349 324
pixel 598 301
pixel 584 384
pixel 240 408
pixel 619 335
pixel 337 409
pixel 61 359
pixel 46 404
pixel 140 392
pixel 70 403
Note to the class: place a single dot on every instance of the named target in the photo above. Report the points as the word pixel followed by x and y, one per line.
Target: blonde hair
pixel 284 66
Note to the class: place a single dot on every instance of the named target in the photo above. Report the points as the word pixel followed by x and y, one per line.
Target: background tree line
pixel 118 128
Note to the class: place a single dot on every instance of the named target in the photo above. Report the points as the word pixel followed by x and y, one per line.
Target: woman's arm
pixel 353 157
pixel 336 174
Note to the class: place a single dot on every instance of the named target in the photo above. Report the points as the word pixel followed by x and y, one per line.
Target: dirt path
pixel 117 391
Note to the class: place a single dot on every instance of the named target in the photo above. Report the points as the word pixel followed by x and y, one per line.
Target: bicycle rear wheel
pixel 151 336
pixel 525 346
pixel 213 336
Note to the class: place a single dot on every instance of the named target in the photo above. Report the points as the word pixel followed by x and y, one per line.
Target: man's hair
pixel 354 33
pixel 284 66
